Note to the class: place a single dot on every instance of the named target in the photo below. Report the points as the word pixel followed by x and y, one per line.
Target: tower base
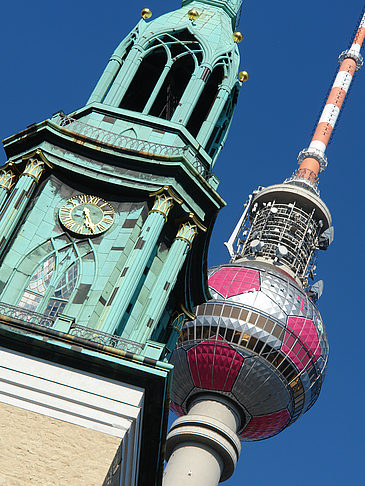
pixel 202 448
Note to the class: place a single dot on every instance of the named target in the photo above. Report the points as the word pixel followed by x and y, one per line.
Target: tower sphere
pixel 260 342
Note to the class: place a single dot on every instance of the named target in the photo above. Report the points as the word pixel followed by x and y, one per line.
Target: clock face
pixel 86 215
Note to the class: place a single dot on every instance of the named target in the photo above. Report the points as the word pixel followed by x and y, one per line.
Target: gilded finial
pixel 237 37
pixel 146 13
pixel 193 14
pixel 243 76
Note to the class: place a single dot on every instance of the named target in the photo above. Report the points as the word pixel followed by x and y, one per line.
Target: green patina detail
pixel 196 61
pixel 152 128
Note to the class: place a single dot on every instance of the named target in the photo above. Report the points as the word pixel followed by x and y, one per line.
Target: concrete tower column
pixel 202 447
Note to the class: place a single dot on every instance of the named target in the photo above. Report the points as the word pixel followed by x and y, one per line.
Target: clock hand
pixel 88 222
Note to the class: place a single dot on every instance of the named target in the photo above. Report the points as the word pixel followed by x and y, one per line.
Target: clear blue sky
pixel 52 54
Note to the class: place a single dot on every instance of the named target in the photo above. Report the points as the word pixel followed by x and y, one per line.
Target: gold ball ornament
pixel 193 14
pixel 237 37
pixel 146 13
pixel 243 76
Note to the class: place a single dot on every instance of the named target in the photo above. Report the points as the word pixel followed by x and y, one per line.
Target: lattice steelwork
pixel 287 225
pixel 258 347
pixel 260 342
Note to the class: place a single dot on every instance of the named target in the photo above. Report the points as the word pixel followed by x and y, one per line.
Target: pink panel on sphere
pixel 229 281
pixel 307 334
pixel 266 425
pixel 176 408
pixel 214 365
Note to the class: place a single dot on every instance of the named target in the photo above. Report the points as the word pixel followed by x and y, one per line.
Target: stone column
pixel 7 182
pixel 209 124
pixel 202 447
pixel 106 80
pixel 157 88
pixel 124 77
pixel 165 283
pixel 14 206
pixel 138 259
pixel 192 94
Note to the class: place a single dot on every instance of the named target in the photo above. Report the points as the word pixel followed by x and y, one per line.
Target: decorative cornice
pixel 170 192
pixel 197 222
pixel 37 154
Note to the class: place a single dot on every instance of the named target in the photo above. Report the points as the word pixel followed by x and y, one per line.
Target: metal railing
pixel 105 339
pixel 30 317
pixel 121 141
pixel 305 176
pixel 25 315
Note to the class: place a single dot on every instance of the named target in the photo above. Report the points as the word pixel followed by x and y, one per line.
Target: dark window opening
pixel 144 81
pixel 205 102
pixel 173 88
pixel 179 42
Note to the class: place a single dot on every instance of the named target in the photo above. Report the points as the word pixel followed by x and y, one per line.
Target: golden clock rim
pixel 80 203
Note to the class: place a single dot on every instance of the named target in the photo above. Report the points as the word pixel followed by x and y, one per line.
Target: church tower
pixel 105 220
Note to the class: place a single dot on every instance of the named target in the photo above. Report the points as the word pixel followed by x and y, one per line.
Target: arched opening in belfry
pixel 144 81
pixel 206 101
pixel 173 88
pixel 167 67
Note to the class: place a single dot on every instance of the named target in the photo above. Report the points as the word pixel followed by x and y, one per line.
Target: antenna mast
pixel 312 160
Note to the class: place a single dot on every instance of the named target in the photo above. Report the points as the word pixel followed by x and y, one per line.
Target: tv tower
pixel 254 359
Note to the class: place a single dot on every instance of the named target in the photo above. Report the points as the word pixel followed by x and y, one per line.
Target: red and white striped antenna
pixel 312 160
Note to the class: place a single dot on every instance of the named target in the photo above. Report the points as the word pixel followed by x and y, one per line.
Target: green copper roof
pixel 232 7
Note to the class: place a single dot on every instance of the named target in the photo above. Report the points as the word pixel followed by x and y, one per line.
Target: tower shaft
pixel 260 341
pixel 203 447
pixel 312 160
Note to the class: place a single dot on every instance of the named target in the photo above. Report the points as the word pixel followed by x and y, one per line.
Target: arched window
pixel 145 80
pixel 64 288
pixel 51 284
pixel 173 88
pixel 166 69
pixel 206 101
pixel 38 285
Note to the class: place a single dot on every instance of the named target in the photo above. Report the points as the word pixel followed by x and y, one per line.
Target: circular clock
pixel 86 215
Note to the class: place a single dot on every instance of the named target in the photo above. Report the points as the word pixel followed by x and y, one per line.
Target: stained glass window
pixel 63 291
pixel 49 299
pixel 38 284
